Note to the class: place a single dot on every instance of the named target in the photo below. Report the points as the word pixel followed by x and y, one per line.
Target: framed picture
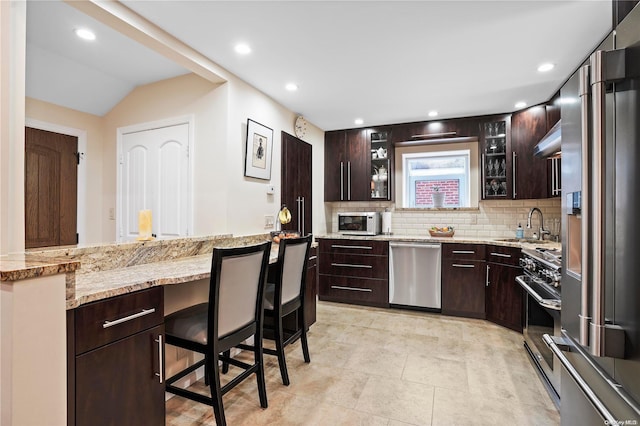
pixel 258 151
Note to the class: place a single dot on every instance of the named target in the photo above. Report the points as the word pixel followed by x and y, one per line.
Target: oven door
pixel 542 316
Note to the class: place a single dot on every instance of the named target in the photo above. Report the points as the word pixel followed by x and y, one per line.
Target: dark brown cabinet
pixel 496 158
pixel 463 280
pixel 382 164
pixel 118 348
pixel 354 271
pixel 504 297
pixel 530 173
pixel 296 183
pixel 311 290
pixel 346 165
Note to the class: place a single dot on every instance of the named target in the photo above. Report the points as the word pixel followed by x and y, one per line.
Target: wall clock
pixel 300 127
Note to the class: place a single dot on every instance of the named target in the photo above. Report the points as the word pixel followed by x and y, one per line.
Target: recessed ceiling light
pixel 85 34
pixel 292 87
pixel 433 113
pixel 243 48
pixel 520 104
pixel 546 67
pixel 358 121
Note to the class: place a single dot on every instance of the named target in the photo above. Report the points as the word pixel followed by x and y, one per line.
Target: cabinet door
pixel 382 163
pixel 311 288
pixel 358 180
pixel 463 290
pixel 335 163
pixel 527 128
pixel 496 159
pixel 117 384
pixel 504 297
pixel 296 182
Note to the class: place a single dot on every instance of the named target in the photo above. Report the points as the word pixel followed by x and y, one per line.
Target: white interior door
pixel 154 175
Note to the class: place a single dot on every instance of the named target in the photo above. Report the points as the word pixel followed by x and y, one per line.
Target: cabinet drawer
pixel 463 251
pixel 504 255
pixel 108 320
pixel 352 290
pixel 313 257
pixel 375 248
pixel 354 265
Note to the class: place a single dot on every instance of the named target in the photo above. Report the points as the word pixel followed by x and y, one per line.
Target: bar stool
pixel 234 314
pixel 284 296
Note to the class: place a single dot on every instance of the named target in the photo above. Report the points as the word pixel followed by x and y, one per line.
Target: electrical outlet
pixel 112 213
pixel 269 221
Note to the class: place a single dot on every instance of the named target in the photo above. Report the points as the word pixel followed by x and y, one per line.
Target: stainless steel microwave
pixel 359 223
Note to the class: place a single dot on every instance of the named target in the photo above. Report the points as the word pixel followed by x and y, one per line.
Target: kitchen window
pixel 448 171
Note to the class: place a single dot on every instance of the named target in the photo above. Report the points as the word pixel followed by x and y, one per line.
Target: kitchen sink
pixel 523 240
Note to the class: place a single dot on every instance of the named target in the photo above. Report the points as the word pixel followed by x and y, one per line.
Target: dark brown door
pixel 51 181
pixel 504 296
pixel 527 128
pixel 358 166
pixel 116 384
pixel 296 182
pixel 335 163
pixel 463 288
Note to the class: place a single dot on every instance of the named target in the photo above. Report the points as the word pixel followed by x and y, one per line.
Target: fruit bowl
pixel 446 231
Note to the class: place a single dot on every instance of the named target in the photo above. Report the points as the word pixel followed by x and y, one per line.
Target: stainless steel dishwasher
pixel 414 275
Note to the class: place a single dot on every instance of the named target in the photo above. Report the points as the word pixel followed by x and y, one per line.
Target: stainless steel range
pixel 541 281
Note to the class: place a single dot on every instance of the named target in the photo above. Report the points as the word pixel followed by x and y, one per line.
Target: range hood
pixel 549 145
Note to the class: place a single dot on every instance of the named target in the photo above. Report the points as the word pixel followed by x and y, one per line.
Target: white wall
pixel 224 200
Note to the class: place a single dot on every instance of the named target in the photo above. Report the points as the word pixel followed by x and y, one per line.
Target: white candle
pixel 144 225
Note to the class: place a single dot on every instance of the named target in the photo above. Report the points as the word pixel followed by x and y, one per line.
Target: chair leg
pixel 225 365
pixel 303 334
pixel 259 360
pixel 216 393
pixel 206 373
pixel 282 363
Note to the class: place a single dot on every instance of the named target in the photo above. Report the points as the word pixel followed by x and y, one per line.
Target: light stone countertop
pixel 15 267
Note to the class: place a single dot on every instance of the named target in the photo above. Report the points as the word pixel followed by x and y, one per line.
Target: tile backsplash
pixel 495 219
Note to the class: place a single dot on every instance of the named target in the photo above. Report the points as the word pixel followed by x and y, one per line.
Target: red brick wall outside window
pixel 451 187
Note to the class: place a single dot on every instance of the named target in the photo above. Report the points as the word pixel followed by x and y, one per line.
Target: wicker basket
pixel 442 234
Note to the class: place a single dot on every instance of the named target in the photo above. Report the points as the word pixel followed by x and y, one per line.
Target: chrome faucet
pixel 542 230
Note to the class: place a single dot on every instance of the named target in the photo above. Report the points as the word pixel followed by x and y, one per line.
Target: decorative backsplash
pixel 495 219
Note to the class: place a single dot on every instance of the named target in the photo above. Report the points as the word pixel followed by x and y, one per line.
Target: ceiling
pixel 382 61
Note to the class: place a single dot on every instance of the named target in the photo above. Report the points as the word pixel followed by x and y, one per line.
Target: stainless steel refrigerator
pixel 600 344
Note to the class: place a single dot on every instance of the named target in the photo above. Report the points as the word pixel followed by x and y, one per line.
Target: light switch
pixel 271 190
pixel 269 221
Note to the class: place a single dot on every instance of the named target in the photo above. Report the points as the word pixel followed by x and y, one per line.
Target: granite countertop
pixel 100 285
pixel 15 267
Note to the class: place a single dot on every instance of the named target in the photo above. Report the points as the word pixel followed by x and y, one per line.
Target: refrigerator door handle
pixel 584 316
pixel 582 384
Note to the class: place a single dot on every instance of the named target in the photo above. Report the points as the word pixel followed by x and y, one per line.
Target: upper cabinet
pixel 382 163
pixel 496 159
pixel 346 165
pixel 530 173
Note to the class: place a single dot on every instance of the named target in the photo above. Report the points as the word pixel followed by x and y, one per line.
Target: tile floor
pixel 390 367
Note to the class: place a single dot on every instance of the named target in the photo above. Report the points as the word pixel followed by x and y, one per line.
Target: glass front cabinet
pixel 381 164
pixel 496 161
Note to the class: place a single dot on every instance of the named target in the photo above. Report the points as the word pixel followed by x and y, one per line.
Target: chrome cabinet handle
pixel 341 180
pixel 460 265
pixel 352 247
pixel 463 252
pixel 313 258
pixel 350 265
pixel 349 180
pixel 389 180
pixel 553 176
pixel 160 372
pixel 339 287
pixel 513 178
pixel 142 313
pixel 487 279
pixel 483 177
pixel 501 255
